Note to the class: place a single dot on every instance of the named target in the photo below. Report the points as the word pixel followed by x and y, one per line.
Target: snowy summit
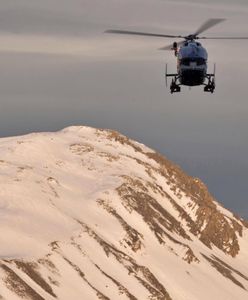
pixel 90 214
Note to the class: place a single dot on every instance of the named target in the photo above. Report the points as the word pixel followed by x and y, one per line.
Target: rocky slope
pixel 90 214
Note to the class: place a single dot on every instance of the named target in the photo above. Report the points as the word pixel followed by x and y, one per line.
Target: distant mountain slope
pixel 90 214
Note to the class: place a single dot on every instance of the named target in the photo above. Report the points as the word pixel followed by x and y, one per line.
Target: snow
pixel 51 184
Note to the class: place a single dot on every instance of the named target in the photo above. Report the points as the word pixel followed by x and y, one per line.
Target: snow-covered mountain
pixel 90 214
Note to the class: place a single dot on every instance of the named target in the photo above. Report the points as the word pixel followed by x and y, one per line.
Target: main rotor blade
pixel 223 38
pixel 208 24
pixel 170 47
pixel 142 33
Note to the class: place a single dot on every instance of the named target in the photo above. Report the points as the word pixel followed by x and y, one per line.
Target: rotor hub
pixel 191 37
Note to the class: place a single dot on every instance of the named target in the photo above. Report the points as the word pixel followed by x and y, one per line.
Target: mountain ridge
pixel 90 213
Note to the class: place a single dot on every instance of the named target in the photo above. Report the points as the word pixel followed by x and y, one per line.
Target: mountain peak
pixel 89 213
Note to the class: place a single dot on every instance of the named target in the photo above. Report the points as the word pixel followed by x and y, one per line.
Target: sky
pixel 58 68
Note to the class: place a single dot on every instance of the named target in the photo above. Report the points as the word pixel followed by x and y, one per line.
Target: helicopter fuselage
pixel 192 63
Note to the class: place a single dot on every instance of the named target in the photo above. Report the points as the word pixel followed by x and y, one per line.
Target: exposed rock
pixel 19 286
pixel 225 270
pixel 99 216
pixel 31 269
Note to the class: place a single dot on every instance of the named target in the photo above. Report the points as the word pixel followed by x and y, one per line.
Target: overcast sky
pixel 57 68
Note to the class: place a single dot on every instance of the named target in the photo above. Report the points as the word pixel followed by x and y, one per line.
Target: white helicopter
pixel 191 57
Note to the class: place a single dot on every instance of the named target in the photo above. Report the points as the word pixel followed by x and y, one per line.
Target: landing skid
pixel 174 86
pixel 209 86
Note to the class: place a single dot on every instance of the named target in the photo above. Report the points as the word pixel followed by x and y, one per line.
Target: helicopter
pixel 191 56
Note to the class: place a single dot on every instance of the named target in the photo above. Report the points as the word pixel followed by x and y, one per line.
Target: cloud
pixel 82 18
pixel 46 44
pixel 102 47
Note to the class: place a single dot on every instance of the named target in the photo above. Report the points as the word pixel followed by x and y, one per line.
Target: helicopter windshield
pixel 187 60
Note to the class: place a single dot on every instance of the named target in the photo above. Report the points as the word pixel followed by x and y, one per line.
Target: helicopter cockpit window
pixel 200 61
pixel 186 61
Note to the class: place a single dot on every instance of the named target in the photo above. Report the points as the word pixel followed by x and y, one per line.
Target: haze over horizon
pixel 59 69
